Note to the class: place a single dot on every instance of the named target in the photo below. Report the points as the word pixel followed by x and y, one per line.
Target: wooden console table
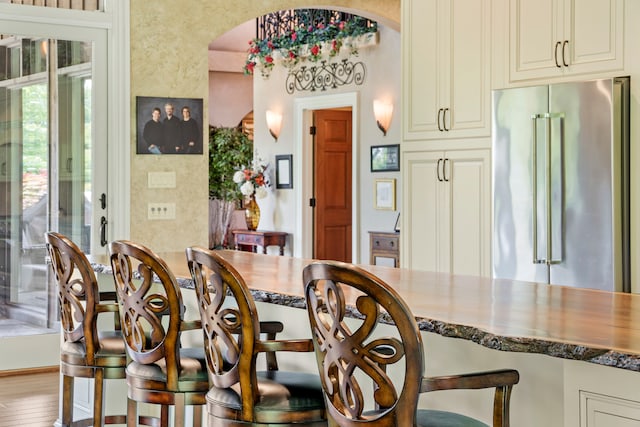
pixel 250 240
pixel 385 245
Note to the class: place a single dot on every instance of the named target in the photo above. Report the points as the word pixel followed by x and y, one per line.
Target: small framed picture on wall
pixel 284 171
pixel 385 158
pixel 385 194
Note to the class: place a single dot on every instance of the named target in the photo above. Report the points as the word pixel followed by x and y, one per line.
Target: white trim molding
pixel 303 171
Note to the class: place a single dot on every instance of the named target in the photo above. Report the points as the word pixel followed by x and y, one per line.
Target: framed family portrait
pixel 385 158
pixel 169 125
pixel 385 194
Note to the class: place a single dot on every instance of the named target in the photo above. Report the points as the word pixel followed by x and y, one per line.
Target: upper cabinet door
pixel 596 28
pixel 557 38
pixel 422 44
pixel 469 90
pixel 446 69
pixel 535 31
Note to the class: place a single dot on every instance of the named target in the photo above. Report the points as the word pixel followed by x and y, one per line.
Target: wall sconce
pixel 274 122
pixel 382 111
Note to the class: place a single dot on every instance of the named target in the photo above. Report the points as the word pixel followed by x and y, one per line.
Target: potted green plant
pixel 229 150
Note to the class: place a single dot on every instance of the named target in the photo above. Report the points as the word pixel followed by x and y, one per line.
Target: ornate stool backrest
pixel 230 330
pixel 78 293
pixel 147 292
pixel 347 354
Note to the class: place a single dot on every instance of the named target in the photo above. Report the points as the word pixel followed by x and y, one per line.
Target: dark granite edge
pixel 597 356
pixel 104 269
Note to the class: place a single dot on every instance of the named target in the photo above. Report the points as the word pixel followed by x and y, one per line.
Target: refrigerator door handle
pixel 547 189
pixel 549 199
pixel 534 187
pixel 548 259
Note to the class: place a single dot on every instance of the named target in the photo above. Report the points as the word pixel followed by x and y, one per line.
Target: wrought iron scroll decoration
pixel 325 75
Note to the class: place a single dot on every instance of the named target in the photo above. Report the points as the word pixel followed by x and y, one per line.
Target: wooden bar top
pixel 590 325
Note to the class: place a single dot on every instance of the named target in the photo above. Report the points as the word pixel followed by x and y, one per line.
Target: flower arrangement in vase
pixel 253 182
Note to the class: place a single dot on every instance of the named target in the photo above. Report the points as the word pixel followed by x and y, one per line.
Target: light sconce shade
pixel 274 122
pixel 383 111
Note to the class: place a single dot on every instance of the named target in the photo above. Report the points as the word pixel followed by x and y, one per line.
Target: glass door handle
pixel 103 231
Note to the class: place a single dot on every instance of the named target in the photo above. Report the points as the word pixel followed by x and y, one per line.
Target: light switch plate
pixel 161 211
pixel 161 180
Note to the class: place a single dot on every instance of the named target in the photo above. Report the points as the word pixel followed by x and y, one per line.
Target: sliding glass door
pixel 48 171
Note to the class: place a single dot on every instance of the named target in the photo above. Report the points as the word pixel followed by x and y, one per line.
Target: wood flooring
pixel 29 400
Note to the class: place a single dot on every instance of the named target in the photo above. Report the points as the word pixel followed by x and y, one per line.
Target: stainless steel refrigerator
pixel 561 184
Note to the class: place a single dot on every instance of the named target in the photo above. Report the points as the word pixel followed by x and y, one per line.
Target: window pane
pixel 91 5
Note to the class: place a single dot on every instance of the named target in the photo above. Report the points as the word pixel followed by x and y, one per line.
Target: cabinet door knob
pixel 564 45
pixel 439 114
pixel 438 170
pixel 377 243
pixel 555 54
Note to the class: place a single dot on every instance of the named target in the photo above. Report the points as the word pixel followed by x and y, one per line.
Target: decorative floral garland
pixel 305 43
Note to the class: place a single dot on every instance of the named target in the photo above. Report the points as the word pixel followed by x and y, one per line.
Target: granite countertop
pixel 580 324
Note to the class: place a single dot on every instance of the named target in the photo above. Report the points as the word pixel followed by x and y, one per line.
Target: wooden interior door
pixel 332 185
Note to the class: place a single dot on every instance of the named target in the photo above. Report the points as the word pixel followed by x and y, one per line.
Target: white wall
pixel 230 98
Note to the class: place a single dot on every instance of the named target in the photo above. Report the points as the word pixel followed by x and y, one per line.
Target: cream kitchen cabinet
pixel 446 69
pixel 556 38
pixel 600 396
pixel 446 211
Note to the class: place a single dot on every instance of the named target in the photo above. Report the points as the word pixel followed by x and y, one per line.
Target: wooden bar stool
pixel 240 394
pixel 85 352
pixel 347 355
pixel 161 371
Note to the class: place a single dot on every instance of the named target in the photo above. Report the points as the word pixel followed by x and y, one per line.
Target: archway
pixel 298 224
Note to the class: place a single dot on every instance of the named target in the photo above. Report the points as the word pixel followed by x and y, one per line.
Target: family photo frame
pixel 169 125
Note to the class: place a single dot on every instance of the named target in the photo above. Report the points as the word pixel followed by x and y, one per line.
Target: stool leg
pixel 132 413
pixel 98 397
pixel 197 415
pixel 164 416
pixel 67 400
pixel 178 408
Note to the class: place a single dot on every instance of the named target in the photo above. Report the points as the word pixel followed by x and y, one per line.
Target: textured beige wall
pixel 169 42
